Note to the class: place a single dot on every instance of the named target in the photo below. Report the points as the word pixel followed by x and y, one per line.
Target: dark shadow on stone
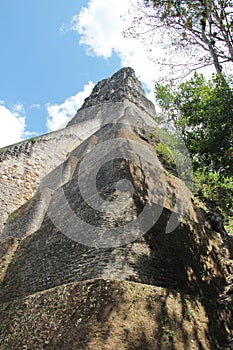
pixel 184 261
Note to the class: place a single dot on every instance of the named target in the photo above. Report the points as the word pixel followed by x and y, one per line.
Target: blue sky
pixel 54 51
pixel 41 63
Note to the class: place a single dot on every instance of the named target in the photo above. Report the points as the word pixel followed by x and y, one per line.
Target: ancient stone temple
pixel 102 244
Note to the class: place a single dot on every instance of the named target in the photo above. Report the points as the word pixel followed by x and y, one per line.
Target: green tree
pixel 202 111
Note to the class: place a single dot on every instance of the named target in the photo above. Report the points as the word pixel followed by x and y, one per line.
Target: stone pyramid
pixel 102 245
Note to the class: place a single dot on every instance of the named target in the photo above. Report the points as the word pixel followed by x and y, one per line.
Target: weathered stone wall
pixel 24 164
pixel 105 315
pixel 48 255
pixel 48 258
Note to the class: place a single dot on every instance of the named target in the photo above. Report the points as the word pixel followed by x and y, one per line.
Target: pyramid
pixel 102 244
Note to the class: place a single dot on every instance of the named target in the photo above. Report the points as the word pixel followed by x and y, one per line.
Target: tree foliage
pixel 203 25
pixel 202 110
pixel 217 191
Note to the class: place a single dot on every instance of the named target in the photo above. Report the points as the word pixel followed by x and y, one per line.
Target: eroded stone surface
pixel 106 209
pixel 105 315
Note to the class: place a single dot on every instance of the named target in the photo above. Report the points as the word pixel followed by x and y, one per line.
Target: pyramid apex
pixel 121 86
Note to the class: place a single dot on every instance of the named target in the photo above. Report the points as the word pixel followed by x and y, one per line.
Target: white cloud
pixel 12 125
pixel 18 109
pixel 101 25
pixel 58 115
